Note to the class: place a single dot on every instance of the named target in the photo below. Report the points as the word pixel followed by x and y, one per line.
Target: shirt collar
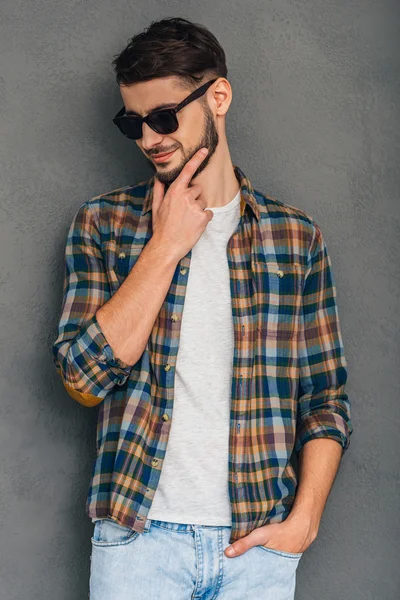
pixel 247 196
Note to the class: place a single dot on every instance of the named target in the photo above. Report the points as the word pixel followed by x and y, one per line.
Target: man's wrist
pixel 165 251
pixel 304 517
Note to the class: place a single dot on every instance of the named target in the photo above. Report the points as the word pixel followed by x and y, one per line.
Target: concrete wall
pixel 314 122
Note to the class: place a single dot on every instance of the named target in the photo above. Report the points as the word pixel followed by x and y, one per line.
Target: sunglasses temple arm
pixel 196 94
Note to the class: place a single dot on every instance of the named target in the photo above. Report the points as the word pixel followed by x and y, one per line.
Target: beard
pixel 209 139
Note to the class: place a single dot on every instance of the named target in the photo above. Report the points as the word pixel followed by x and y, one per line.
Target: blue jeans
pixel 175 561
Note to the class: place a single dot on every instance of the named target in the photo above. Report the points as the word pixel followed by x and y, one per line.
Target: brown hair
pixel 171 46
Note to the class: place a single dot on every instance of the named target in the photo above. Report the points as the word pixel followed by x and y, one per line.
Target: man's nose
pixel 150 137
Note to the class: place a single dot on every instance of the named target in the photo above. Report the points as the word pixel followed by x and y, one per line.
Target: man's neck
pixel 218 180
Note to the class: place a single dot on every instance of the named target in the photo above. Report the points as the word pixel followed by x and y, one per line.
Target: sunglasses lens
pixel 163 121
pixel 131 127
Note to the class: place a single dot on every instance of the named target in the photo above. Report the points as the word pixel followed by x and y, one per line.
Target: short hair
pixel 168 47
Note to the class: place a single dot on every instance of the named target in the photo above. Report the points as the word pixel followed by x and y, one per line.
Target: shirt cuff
pixel 324 425
pixel 92 339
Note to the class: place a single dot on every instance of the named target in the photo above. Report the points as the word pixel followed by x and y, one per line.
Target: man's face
pixel 196 126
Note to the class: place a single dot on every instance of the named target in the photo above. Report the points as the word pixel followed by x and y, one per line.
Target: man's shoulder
pixel 128 195
pixel 112 214
pixel 294 223
pixel 275 208
pixel 291 217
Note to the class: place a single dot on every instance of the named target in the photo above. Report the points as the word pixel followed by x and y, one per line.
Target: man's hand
pixel 178 216
pixel 292 535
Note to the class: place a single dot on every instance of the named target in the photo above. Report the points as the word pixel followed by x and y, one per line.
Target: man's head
pixel 163 65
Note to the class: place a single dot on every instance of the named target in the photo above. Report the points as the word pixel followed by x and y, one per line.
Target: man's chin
pixel 167 176
pixel 164 178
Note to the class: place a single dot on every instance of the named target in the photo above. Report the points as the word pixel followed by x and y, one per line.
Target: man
pixel 200 316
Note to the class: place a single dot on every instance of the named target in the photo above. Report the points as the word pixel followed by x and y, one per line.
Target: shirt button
pixel 183 270
pixel 279 273
pixel 167 367
pixel 154 462
pixel 121 255
pixel 165 417
pixel 174 317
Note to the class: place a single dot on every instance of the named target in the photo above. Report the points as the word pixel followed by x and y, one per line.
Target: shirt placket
pixel 242 367
pixel 171 314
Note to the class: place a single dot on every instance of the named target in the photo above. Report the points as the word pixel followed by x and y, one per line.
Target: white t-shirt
pixel 193 485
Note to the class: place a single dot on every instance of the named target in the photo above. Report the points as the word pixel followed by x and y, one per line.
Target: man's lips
pixel 162 157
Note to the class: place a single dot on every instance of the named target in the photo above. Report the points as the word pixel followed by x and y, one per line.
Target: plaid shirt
pixel 289 369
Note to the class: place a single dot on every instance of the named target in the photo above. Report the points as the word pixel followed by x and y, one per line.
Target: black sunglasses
pixel 162 121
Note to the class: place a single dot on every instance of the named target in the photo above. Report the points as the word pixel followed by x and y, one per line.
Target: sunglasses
pixel 162 121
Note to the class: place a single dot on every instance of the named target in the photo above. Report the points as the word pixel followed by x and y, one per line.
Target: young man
pixel 193 493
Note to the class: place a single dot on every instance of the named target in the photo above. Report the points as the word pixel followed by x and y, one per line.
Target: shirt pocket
pixel 278 298
pixel 119 261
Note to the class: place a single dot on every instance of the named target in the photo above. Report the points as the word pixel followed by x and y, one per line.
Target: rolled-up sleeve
pixel 323 405
pixel 81 353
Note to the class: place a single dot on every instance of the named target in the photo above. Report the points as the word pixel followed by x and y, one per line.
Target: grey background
pixel 314 122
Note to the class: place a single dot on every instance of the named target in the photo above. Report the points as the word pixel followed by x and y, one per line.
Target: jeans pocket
pixel 292 555
pixel 108 532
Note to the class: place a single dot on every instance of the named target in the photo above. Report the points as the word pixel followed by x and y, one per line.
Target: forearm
pixel 129 315
pixel 319 461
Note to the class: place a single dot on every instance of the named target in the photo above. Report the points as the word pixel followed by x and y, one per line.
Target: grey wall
pixel 314 122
